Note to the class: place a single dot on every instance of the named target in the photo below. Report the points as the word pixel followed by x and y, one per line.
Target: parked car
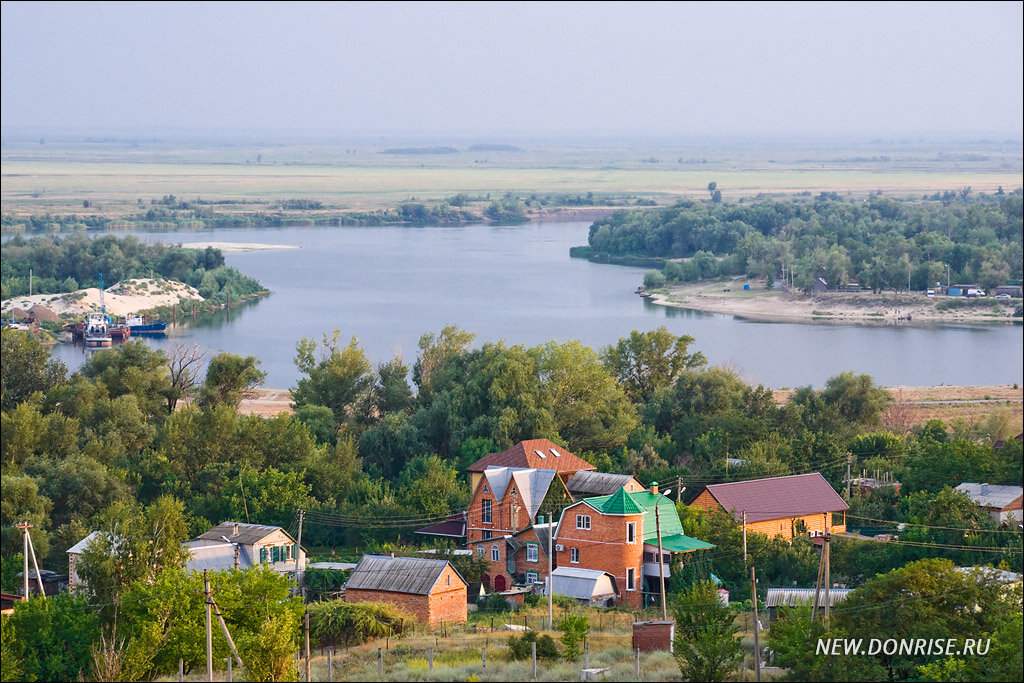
pixel 1002 296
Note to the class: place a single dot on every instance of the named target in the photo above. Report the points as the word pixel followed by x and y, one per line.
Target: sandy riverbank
pixel 237 246
pixel 729 297
pixel 124 298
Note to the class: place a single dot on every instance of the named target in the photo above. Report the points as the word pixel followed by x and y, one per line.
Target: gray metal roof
pixel 791 597
pixel 415 575
pixel 991 495
pixel 81 546
pixel 531 484
pixel 217 557
pixel 582 584
pixel 247 534
pixel 584 484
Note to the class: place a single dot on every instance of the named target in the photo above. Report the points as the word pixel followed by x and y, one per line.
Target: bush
pixel 493 602
pixel 342 623
pixel 519 646
pixel 653 279
pixel 562 601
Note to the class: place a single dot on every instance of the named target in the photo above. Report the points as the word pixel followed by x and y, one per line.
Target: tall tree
pixel 706 646
pixel 337 377
pixel 25 367
pixel 229 378
pixel 643 362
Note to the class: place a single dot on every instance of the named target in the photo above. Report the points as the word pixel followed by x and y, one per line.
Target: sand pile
pixel 126 297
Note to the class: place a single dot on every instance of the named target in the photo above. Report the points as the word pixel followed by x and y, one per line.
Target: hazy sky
pixel 669 69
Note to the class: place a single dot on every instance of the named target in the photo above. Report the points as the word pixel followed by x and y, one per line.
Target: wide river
pixel 387 286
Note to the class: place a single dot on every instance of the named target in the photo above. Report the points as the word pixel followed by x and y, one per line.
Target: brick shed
pixel 431 590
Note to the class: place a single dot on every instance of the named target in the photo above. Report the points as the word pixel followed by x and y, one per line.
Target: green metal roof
pixel 619 503
pixel 678 543
pixel 624 503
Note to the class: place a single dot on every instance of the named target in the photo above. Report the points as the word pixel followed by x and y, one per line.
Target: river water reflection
pixel 389 285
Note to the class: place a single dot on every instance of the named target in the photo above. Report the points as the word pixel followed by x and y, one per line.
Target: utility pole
pixel 661 563
pixel 25 526
pixel 35 563
pixel 227 634
pixel 298 551
pixel 849 460
pixel 817 588
pixel 828 569
pixel 744 538
pixel 679 487
pixel 551 584
pixel 306 629
pixel 757 646
pixel 209 628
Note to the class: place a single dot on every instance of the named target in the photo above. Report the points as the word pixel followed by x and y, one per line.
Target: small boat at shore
pixel 138 324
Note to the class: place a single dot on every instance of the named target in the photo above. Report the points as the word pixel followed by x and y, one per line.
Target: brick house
pixel 527 554
pixel 431 590
pixel 779 506
pixel 618 534
pixel 538 454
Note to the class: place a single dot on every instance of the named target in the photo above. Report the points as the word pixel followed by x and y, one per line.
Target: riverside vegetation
pixel 144 436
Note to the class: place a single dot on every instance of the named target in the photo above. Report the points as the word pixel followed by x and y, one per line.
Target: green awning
pixel 678 543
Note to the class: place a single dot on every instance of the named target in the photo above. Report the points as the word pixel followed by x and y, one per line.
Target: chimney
pixel 654 488
pixel 984 489
pixel 234 529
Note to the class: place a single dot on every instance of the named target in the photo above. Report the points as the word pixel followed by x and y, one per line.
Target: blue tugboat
pixel 139 325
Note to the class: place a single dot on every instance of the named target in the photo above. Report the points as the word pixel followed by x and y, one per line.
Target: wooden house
pixel 779 506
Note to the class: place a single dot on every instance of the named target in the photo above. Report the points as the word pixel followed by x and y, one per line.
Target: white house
pixel 1003 503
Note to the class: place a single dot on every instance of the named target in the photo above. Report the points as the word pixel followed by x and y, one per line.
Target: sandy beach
pixel 124 298
pixel 730 297
pixel 230 247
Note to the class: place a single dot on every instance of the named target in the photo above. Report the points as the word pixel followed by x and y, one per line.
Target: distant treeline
pixel 75 262
pixel 880 242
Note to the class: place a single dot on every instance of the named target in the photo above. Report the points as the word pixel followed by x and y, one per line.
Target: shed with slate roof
pixel 431 590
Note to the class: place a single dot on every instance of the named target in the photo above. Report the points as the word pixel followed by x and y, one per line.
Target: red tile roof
pixel 524 454
pixel 778 497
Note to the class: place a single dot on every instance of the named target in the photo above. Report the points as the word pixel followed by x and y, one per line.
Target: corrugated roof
pixel 586 484
pixel 582 584
pixel 991 495
pixel 678 543
pixel 80 547
pixel 528 454
pixel 247 533
pixel 414 575
pixel 217 557
pixel 778 497
pixel 791 597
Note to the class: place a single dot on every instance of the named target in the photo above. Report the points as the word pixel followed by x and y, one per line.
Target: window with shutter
pixel 263 554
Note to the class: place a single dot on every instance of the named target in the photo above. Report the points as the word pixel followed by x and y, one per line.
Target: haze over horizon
pixel 653 70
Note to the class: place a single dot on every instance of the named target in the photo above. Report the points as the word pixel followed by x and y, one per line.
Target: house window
pixel 574 555
pixel 487 535
pixel 480 550
pixel 532 577
pixel 485 510
pixel 532 552
pixel 495 555
pixel 631 532
pixel 263 554
pixel 631 579
pixel 583 522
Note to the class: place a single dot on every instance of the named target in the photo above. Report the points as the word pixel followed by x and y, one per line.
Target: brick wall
pixel 416 605
pixel 603 547
pixel 653 635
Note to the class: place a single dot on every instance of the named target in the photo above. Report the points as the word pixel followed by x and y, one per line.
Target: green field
pixel 115 177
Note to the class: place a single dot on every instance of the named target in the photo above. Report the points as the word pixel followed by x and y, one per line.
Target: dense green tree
pixel 20 500
pixel 25 368
pixel 643 362
pixel 133 368
pixel 435 350
pixel 228 378
pixel 856 398
pixel 590 410
pixel 54 637
pixel 706 647
pixel 338 378
pixel 135 544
